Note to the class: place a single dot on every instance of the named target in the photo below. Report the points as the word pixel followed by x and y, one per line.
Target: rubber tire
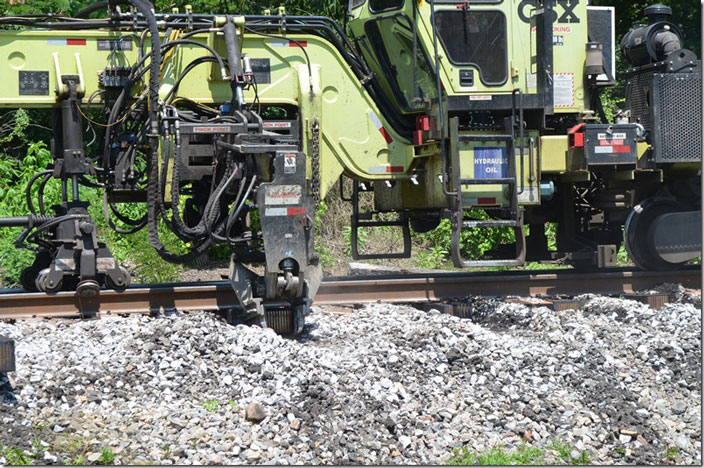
pixel 637 228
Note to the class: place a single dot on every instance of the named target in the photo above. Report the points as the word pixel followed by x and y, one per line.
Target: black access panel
pixel 606 144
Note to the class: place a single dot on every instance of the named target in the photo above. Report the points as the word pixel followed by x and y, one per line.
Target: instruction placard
pixel 563 85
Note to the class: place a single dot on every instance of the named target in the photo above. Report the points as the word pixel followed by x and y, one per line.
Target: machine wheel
pixel 110 284
pixel 28 278
pixel 44 284
pixel 637 236
pixel 88 288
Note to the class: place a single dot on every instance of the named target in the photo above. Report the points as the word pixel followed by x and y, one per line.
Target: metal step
pixel 492 263
pixel 490 223
pixel 497 181
pixel 485 138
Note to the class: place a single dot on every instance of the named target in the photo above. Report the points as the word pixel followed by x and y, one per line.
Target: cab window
pixel 476 38
pixel 385 5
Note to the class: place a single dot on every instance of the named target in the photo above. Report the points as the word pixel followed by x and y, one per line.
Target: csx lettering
pixel 568 13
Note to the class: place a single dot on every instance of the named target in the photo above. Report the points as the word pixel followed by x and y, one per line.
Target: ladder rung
pixel 490 223
pixel 502 181
pixel 489 138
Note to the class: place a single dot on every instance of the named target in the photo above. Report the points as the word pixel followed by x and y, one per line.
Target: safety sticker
pixel 277 124
pixel 275 211
pixel 563 85
pixel 379 126
pixel 615 136
pixel 282 195
pixel 114 44
pixel 289 164
pixel 479 201
pixel 612 149
pixel 105 264
pixel 480 97
pixel 65 264
pixel 66 42
pixel 213 129
pixel 289 43
pixel 385 169
pixel 285 211
pixel 612 143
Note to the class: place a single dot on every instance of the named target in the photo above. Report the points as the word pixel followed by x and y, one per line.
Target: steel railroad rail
pixel 215 296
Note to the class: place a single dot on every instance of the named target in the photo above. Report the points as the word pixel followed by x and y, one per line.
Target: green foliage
pixel 332 8
pixel 16 456
pixel 362 239
pixel 14 178
pixel 80 460
pixel 565 453
pixel 210 405
pixel 522 455
pixel 671 453
pixel 431 257
pixel 327 259
pixel 107 456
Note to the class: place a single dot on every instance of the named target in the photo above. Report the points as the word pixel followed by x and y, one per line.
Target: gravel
pixel 381 384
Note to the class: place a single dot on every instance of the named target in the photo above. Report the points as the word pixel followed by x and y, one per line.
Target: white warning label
pixel 289 164
pixel 282 195
pixel 275 211
pixel 564 89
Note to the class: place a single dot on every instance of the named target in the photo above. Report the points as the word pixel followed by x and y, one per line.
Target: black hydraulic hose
pixel 28 190
pixel 598 105
pixel 40 195
pixel 213 202
pixel 189 67
pixel 44 223
pixel 236 212
pixel 153 135
pixel 208 213
pixel 234 53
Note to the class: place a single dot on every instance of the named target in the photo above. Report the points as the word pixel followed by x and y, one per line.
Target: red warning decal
pixel 295 210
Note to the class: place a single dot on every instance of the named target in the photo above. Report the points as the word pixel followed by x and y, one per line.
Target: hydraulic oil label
pixel 490 163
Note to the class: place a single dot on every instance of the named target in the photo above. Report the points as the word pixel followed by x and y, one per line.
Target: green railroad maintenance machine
pixel 230 130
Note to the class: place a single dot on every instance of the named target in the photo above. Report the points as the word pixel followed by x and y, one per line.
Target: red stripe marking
pixel 75 42
pixel 386 135
pixel 394 168
pixel 293 44
pixel 486 201
pixel 295 210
